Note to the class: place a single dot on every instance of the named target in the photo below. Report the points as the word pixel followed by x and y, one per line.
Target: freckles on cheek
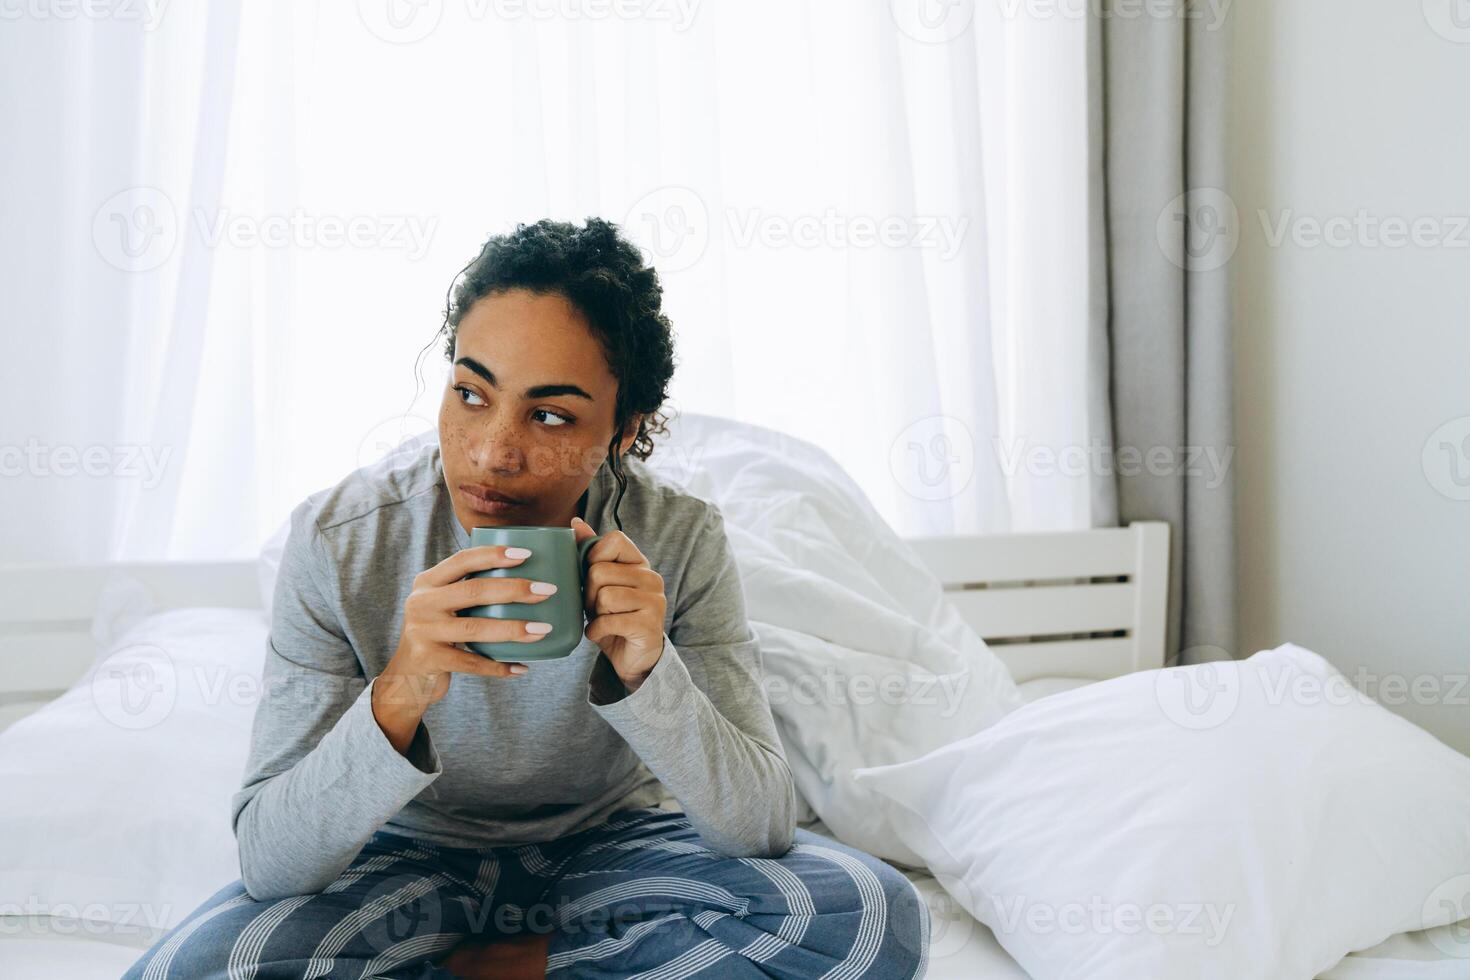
pixel 554 464
pixel 451 439
pixel 585 461
pixel 582 456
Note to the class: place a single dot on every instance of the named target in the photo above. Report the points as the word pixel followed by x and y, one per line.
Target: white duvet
pixel 866 664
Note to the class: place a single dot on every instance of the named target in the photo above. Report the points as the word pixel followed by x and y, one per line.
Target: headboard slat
pixel 1001 613
pixel 967 559
pixel 1093 659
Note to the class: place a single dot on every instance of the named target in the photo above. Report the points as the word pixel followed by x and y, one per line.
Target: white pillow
pixel 1253 819
pixel 116 802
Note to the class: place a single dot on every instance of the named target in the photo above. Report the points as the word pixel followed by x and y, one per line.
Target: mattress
pixel 35 947
pixel 962 948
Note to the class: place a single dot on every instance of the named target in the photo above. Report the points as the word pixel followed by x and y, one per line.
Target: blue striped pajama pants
pixel 639 895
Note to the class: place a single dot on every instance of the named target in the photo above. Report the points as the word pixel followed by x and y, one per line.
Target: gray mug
pixel 555 557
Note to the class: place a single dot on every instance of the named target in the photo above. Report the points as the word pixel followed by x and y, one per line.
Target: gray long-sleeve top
pixel 498 760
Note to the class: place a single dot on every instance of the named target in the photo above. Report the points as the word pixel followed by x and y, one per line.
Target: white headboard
pixel 1084 604
pixel 1067 604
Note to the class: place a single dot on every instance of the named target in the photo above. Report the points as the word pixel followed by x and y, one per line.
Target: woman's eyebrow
pixel 536 391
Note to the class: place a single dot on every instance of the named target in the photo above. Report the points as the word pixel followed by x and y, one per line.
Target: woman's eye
pixel 468 396
pixel 467 393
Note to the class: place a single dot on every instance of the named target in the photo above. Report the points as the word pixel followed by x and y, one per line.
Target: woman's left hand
pixel 625 598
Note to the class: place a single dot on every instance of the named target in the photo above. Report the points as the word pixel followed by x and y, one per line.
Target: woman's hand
pixel 418 674
pixel 625 597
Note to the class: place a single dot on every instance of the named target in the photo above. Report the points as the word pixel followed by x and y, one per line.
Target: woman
pixel 411 809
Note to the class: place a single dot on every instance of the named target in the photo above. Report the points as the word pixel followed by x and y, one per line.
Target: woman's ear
pixel 630 434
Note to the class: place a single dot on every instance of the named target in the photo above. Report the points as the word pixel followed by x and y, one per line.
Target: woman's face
pixel 528 412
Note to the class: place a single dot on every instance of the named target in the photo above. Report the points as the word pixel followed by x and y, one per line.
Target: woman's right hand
pixel 418 674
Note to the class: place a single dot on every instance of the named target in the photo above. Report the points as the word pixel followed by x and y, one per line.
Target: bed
pixel 1062 610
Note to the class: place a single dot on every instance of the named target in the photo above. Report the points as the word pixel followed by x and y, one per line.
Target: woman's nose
pixel 495 450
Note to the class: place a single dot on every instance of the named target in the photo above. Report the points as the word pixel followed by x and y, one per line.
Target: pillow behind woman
pixel 865 658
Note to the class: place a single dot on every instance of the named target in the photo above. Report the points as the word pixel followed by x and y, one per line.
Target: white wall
pixel 1349 358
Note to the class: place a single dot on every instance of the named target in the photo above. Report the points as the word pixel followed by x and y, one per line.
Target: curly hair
pixel 603 275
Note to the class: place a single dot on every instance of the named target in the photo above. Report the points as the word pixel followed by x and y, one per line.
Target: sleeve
pixel 321 777
pixel 701 722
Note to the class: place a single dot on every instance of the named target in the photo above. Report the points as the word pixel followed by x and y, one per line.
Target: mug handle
pixel 582 550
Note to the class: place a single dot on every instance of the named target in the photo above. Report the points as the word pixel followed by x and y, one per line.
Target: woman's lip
pixel 485 505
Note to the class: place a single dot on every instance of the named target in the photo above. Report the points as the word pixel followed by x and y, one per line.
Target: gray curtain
pixel 1163 229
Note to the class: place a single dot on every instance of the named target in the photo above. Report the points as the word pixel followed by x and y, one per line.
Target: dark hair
pixel 603 275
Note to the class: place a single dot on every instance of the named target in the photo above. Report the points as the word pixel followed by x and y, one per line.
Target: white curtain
pixel 230 228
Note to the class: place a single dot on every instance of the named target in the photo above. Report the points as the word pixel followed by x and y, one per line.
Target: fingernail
pixel 519 668
pixel 543 588
pixel 538 627
pixel 518 552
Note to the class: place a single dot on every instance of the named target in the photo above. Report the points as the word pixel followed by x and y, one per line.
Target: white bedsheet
pixel 962 948
pixel 36 948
